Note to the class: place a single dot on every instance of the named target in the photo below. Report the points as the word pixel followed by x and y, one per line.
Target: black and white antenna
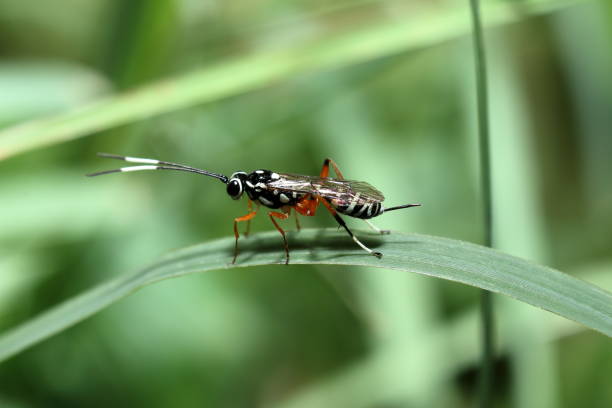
pixel 152 164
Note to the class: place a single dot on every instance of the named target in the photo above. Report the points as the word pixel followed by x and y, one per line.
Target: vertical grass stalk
pixel 486 306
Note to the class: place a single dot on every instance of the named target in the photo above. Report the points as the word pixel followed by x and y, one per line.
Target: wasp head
pixel 235 185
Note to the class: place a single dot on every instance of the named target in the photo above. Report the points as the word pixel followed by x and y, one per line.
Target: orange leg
pixel 236 234
pixel 281 216
pixel 343 224
pixel 308 205
pixel 325 169
pixel 250 207
pixel 297 221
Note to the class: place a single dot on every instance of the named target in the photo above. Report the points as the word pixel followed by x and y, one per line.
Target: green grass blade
pixel 246 73
pixel 439 257
pixel 486 303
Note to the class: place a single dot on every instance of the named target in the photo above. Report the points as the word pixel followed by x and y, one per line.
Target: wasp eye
pixel 234 188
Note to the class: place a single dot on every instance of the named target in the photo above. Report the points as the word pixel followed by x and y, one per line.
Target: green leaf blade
pixel 443 258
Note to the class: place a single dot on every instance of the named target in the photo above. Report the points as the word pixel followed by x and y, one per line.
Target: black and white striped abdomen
pixel 359 208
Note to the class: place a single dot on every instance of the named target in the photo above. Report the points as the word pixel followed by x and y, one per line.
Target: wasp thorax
pixel 235 186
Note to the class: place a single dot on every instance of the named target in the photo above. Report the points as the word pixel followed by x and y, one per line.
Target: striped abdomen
pixel 357 208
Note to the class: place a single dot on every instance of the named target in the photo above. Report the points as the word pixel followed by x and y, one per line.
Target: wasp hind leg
pixel 343 224
pixel 282 216
pixel 378 230
pixel 248 218
pixel 325 169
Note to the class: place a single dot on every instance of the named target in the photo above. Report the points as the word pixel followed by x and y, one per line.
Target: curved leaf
pixel 444 258
pixel 251 72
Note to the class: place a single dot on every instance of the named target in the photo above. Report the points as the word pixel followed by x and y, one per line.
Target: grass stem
pixel 486 372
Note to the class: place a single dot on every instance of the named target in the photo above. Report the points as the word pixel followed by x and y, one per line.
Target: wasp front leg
pixel 250 207
pixel 282 216
pixel 248 218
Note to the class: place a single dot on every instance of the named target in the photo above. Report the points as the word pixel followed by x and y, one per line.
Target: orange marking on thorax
pixel 308 205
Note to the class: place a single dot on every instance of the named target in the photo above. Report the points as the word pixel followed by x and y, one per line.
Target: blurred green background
pixel 400 115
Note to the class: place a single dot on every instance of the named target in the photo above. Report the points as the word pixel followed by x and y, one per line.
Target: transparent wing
pixel 327 187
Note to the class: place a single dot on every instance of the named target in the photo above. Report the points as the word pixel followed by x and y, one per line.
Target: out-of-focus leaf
pixel 250 72
pixel 56 202
pixel 42 87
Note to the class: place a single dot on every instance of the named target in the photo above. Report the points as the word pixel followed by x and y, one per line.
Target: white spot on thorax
pixel 265 201
pixel 274 176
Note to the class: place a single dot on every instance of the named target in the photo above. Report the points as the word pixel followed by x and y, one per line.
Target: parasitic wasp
pixel 283 192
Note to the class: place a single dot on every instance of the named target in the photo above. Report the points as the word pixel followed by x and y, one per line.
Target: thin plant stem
pixel 486 304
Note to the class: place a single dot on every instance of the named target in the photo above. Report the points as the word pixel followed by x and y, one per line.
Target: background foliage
pixel 386 89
